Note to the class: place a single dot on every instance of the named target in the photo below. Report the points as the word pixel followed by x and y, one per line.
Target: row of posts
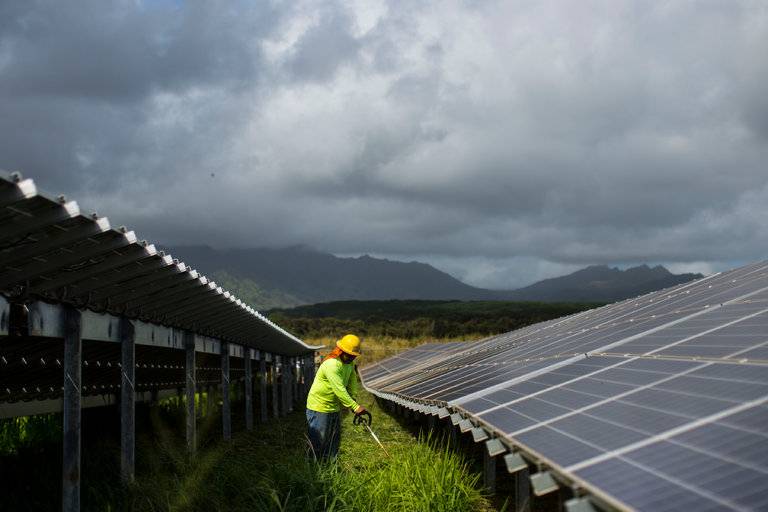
pixel 290 377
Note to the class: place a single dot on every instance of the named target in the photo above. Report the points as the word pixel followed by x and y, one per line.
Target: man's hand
pixel 362 416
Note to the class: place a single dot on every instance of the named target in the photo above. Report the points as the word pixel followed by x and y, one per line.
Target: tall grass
pixel 262 470
pixel 422 476
pixel 267 470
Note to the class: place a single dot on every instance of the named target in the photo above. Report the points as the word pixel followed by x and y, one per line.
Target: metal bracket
pixel 495 447
pixel 514 463
pixel 479 434
pixel 465 426
pixel 543 483
pixel 579 505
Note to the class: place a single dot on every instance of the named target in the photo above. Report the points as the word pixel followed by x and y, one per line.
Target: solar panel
pixel 51 252
pixel 657 402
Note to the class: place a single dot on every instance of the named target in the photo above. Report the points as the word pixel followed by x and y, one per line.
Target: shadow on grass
pixel 259 470
pixel 262 470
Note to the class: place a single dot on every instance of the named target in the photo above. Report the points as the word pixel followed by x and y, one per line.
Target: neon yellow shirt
pixel 334 384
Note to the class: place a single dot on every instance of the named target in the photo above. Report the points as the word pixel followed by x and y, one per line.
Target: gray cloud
pixel 502 141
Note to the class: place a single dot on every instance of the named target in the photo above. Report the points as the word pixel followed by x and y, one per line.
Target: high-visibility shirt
pixel 333 386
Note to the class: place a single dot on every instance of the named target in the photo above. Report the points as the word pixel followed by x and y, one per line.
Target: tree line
pixel 411 319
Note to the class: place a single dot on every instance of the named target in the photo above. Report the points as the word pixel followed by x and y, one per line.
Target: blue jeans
pixel 324 434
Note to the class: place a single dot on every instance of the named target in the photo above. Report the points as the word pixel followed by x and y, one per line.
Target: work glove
pixel 362 417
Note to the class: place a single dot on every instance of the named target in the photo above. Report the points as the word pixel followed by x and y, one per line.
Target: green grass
pixel 262 470
pixel 266 470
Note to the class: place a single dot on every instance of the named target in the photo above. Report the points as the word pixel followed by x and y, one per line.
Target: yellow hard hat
pixel 349 344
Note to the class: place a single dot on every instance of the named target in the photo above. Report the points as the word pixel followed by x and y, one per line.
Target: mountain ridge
pixel 298 275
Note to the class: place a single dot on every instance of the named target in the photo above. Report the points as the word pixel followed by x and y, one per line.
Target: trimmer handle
pixel 364 418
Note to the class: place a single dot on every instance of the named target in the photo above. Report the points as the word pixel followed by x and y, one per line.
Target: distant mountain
pixel 600 283
pixel 292 276
pixel 299 275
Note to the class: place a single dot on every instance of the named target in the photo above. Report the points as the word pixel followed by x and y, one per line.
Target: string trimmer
pixel 364 419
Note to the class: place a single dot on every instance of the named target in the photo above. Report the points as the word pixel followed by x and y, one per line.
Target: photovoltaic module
pixel 655 403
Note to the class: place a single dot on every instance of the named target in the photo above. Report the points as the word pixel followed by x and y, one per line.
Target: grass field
pixel 262 470
pixel 266 470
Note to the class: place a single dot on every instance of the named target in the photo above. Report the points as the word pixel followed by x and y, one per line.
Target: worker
pixel 333 388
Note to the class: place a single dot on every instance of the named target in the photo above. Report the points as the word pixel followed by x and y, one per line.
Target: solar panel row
pixel 51 251
pixel 658 402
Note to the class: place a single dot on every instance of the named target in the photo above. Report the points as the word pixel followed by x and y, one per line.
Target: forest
pixel 419 319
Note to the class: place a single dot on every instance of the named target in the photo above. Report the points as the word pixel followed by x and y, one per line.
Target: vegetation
pixel 266 470
pixel 26 432
pixel 263 470
pixel 376 348
pixel 418 320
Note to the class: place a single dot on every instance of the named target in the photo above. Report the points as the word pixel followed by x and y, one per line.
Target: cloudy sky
pixel 502 141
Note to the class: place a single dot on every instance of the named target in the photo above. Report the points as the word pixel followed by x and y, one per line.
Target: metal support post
pixel 189 347
pixel 489 471
pixel 302 378
pixel 73 346
pixel 312 368
pixel 310 371
pixel 290 378
pixel 209 405
pixel 248 390
pixel 288 383
pixel 127 400
pixel 522 491
pixel 284 387
pixel 263 389
pixel 275 399
pixel 294 382
pixel 225 409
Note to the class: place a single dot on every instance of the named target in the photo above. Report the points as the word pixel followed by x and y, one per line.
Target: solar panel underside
pixel 51 252
pixel 659 402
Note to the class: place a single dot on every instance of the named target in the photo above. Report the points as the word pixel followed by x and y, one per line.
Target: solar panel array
pixel 653 403
pixel 51 251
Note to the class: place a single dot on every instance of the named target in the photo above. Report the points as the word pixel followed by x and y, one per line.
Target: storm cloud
pixel 501 141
